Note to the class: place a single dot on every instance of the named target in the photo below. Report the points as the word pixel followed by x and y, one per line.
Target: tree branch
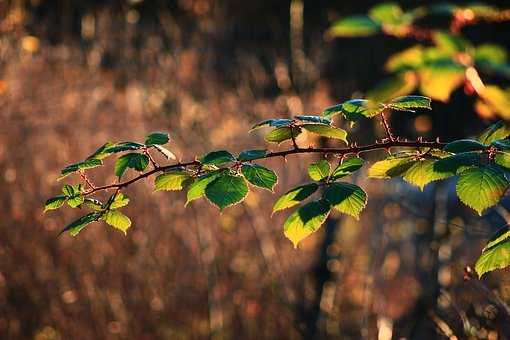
pixel 333 151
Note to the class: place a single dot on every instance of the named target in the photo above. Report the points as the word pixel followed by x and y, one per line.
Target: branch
pixel 333 151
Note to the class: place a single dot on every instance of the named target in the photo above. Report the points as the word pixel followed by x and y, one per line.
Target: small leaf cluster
pixel 448 60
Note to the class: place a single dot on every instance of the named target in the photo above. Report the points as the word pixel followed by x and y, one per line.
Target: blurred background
pixel 74 74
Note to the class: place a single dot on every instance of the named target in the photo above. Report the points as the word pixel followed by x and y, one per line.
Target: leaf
pixel 314 119
pixel 54 202
pixel 250 155
pixel 319 171
pixel 450 43
pixel 102 152
pixel 123 146
pixel 347 198
pixel 482 187
pixel 171 180
pixel 226 190
pixel 497 99
pixel 117 220
pixel 120 200
pixel 281 134
pixel 165 152
pixel 326 131
pixel 197 188
pixel 217 158
pixel 157 138
pixel 499 236
pixel 354 26
pixel 408 59
pixel 93 204
pixel 458 163
pixel 354 109
pixel 397 85
pixel 490 54
pixel 259 176
pixel 439 81
pixel 87 164
pixel 497 257
pixel 388 13
pixel 390 167
pixel 75 227
pixel 306 220
pixel 503 159
pixel 347 167
pixel 410 102
pixel 272 122
pixel 75 201
pixel 294 196
pixel 464 145
pixel 496 131
pixel 135 161
pixel 73 194
pixel 332 111
pixel 422 173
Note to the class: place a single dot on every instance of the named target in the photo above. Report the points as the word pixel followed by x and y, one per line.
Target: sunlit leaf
pixel 347 167
pixel 197 188
pixel 397 85
pixel 439 81
pixel 347 198
pixel 319 171
pixel 496 257
pixel 451 43
pixel 408 59
pixel 259 176
pixel 136 161
pixel 171 180
pixel 497 99
pixel 326 131
pixel 120 200
pixel 117 220
pixel 165 152
pixel 354 109
pixel 217 158
pixel 226 190
pixel 410 102
pixel 54 202
pixel 157 138
pixel 495 132
pixel 422 172
pixel 75 227
pixel 354 26
pixel 87 164
pixel 387 13
pixel 482 187
pixel 390 167
pixel 314 119
pixel 306 220
pixel 281 134
pixel 123 146
pixel 272 122
pixel 295 196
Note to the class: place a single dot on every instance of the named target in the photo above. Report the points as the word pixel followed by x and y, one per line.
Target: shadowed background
pixel 74 74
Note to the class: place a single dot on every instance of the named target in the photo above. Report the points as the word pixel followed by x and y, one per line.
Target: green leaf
pixel 281 134
pixel 217 158
pixel 332 111
pixel 347 198
pixel 422 172
pixel 197 188
pixel 226 190
pixel 319 171
pixel 354 26
pixel 314 119
pixel 165 152
pixel 294 196
pixel 171 180
pixel 93 204
pixel 482 187
pixel 157 138
pixel 408 59
pixel 250 155
pixel 306 220
pixel 75 201
pixel 259 176
pixel 458 163
pixel 73 194
pixel 123 146
pixel 87 164
pixel 75 227
pixel 497 99
pixel 496 131
pixel 135 161
pixel 326 131
pixel 390 167
pixel 54 202
pixel 499 236
pixel 464 145
pixel 120 200
pixel 439 81
pixel 388 13
pixel 102 152
pixel 490 54
pixel 273 122
pixel 410 102
pixel 347 167
pixel 117 220
pixel 450 43
pixel 355 109
pixel 503 159
pixel 496 257
pixel 400 84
